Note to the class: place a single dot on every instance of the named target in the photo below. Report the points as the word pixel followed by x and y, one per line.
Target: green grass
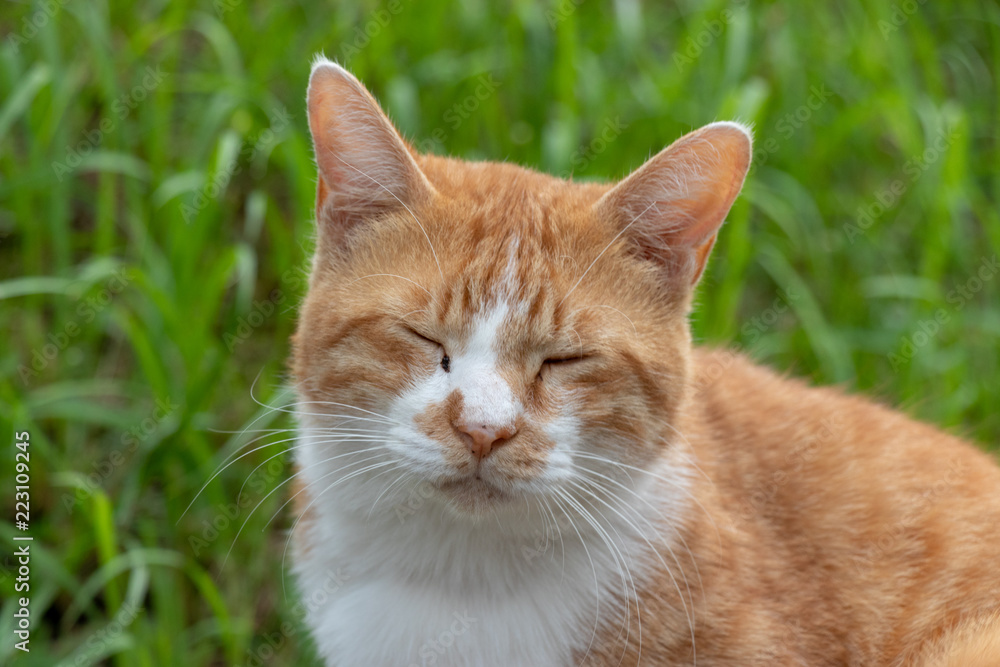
pixel 146 283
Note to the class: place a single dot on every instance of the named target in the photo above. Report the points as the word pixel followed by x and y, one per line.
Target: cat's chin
pixel 473 496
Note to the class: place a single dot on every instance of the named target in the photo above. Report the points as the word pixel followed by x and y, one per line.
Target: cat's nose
pixel 483 438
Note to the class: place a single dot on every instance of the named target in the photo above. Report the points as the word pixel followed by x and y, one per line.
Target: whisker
pixel 382 418
pixel 634 330
pixel 324 476
pixel 623 570
pixel 271 493
pixel 654 476
pixel 306 444
pixel 561 500
pixel 401 477
pixel 642 498
pixel 291 531
pixel 557 530
pixel 688 613
pixel 234 458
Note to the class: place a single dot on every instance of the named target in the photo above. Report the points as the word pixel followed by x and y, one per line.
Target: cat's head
pixel 488 332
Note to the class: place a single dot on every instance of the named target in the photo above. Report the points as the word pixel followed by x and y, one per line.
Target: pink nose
pixel 484 439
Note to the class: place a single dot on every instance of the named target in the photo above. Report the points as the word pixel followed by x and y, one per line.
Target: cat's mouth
pixel 473 493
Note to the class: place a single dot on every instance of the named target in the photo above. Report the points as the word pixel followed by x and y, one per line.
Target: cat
pixel 511 453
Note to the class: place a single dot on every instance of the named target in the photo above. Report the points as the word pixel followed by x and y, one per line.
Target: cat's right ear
pixel 672 207
pixel 365 166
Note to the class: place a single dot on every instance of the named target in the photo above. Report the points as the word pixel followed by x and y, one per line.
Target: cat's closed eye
pixel 562 362
pixel 445 359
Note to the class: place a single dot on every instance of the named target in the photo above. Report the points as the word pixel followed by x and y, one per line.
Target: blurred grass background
pixel 156 192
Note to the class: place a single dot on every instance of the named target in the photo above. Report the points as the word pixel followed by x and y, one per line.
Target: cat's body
pixel 507 439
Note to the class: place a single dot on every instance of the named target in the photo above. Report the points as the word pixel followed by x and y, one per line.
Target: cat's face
pixel 489 333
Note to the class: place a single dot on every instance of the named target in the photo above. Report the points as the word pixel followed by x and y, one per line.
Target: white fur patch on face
pixel 564 431
pixel 486 397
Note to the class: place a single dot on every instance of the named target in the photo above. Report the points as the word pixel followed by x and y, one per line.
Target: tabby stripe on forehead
pixel 446 301
pixel 538 302
pixel 332 337
pixel 467 298
pixel 558 314
pixel 493 272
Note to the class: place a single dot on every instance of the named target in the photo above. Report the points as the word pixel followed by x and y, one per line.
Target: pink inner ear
pixel 350 132
pixel 678 200
pixel 712 164
pixel 364 165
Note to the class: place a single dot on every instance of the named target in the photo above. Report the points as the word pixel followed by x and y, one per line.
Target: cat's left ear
pixel 672 207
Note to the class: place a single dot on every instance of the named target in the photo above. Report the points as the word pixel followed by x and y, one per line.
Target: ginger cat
pixel 511 453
